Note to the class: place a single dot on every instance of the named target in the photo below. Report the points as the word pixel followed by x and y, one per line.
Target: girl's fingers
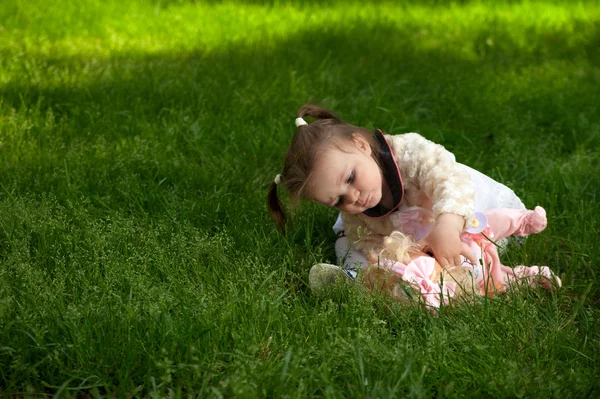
pixel 456 261
pixel 443 261
pixel 467 254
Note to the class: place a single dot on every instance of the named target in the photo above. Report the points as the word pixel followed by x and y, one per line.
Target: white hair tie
pixel 300 122
pixel 277 179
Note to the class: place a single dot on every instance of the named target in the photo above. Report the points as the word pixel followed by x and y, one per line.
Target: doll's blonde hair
pixel 400 247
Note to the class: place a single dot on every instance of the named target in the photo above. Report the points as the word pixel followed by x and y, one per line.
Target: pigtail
pixel 276 208
pixel 317 112
pixel 302 153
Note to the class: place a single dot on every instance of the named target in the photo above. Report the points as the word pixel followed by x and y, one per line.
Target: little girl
pixel 370 176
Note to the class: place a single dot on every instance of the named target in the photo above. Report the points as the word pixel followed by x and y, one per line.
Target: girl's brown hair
pixel 307 143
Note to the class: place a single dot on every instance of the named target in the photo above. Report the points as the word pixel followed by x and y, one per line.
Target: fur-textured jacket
pixel 432 180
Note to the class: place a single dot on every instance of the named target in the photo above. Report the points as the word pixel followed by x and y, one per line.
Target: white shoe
pixel 324 275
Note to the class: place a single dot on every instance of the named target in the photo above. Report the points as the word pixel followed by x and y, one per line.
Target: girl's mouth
pixel 367 201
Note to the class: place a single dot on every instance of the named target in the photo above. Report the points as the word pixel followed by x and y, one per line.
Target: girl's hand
pixel 444 240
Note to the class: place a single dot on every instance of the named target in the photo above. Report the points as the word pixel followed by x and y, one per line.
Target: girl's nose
pixel 355 196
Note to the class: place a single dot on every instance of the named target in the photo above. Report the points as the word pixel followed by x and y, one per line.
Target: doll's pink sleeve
pixel 507 222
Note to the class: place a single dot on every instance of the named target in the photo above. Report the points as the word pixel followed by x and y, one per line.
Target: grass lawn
pixel 137 143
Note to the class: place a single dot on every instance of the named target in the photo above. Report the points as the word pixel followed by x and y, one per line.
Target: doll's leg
pixel 497 276
pixel 507 222
pixel 534 275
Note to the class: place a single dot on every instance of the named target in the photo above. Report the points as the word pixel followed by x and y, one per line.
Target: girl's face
pixel 349 181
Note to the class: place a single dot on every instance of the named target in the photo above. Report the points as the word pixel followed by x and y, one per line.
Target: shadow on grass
pixel 390 64
pixel 205 132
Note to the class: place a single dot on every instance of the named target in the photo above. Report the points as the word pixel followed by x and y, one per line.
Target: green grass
pixel 137 142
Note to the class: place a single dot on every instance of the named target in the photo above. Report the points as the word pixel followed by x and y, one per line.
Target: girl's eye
pixel 350 178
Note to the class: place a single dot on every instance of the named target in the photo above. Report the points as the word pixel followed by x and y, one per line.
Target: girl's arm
pixel 444 240
pixel 430 170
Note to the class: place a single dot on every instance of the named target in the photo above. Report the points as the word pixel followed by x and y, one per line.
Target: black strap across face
pixel 391 174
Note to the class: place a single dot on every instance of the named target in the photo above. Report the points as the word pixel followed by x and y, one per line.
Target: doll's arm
pixel 505 222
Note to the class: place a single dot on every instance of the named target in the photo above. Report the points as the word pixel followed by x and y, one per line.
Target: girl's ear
pixel 362 143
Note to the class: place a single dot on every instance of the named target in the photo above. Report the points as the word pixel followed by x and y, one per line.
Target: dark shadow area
pixel 357 62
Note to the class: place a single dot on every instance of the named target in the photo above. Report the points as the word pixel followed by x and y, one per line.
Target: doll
pixel 401 263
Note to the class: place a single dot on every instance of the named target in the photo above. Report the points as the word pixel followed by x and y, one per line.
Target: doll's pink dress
pixel 489 274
